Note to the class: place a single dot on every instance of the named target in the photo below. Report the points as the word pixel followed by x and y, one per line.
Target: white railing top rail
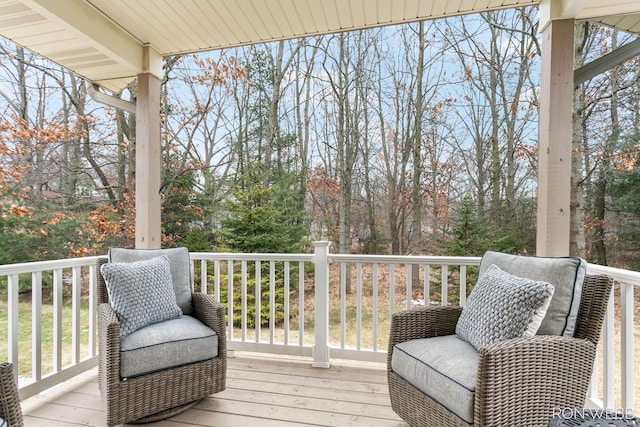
pixel 231 256
pixel 405 259
pixel 32 267
pixel 618 274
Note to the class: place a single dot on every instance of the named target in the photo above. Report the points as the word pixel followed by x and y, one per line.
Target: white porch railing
pixel 69 349
pixel 233 276
pixel 303 307
pixel 615 387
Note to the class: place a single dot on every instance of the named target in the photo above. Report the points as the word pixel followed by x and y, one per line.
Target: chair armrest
pixel 419 323
pixel 107 316
pixel 108 344
pixel 211 313
pixel 527 378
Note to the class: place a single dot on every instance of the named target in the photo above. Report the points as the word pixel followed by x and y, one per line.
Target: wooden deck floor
pixel 261 391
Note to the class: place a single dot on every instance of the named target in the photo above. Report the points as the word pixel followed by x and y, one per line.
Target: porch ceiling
pixel 102 40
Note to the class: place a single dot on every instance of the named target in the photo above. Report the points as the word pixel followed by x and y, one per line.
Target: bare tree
pixel 496 54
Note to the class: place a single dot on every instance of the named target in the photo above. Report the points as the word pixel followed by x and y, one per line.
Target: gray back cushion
pixel 180 269
pixel 566 274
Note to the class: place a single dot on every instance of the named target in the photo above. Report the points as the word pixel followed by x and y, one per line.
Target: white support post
pixel 148 163
pixel 554 142
pixel 321 345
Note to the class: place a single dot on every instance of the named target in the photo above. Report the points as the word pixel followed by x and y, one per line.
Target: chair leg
pixel 163 415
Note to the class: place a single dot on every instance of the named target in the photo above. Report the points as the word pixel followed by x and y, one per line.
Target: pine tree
pixel 469 233
pixel 263 220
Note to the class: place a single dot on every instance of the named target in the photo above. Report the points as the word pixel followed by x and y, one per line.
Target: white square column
pixel 148 154
pixel 554 139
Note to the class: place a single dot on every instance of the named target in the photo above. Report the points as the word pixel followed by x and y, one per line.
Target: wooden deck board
pixel 261 390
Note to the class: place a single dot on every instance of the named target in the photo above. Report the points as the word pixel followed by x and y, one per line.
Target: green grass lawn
pixel 25 334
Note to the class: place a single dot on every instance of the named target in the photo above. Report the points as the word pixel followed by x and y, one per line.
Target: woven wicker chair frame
pixel 520 381
pixel 10 409
pixel 157 395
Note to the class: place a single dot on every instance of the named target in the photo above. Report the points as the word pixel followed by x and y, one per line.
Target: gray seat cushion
pixel 180 269
pixel 566 274
pixel 444 368
pixel 166 345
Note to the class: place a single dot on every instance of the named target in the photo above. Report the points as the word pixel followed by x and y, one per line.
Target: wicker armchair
pixel 159 394
pixel 519 381
pixel 10 410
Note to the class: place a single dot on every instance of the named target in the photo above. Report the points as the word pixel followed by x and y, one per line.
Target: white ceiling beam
pixel 572 8
pixel 606 62
pixel 86 23
pixel 560 9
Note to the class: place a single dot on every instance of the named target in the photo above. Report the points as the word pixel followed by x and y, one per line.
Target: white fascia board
pixel 606 8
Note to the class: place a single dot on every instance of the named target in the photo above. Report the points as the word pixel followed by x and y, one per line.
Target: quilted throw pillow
pixel 141 292
pixel 502 306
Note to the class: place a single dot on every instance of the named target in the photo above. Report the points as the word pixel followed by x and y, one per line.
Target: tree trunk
pixel 416 220
pixel 599 249
pixel 577 242
pixel 344 160
pixel 272 124
pixel 496 173
pixel 72 154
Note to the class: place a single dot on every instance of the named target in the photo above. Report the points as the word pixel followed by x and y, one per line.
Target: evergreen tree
pixel 182 216
pixel 469 233
pixel 624 209
pixel 263 219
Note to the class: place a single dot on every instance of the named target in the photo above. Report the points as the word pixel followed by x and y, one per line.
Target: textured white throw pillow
pixel 141 292
pixel 502 306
